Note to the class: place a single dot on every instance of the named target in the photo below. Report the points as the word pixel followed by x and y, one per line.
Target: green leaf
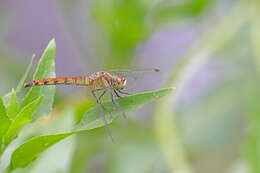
pixel 29 150
pixel 131 27
pixel 20 85
pixel 92 119
pixel 253 142
pixel 13 106
pixel 81 109
pixel 23 117
pixel 4 122
pixel 45 69
pixel 167 12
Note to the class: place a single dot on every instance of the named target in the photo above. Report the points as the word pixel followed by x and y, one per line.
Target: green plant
pixel 38 103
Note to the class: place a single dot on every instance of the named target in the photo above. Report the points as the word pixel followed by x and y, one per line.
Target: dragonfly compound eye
pixel 120 82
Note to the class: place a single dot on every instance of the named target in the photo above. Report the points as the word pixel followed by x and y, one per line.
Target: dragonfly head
pixel 119 82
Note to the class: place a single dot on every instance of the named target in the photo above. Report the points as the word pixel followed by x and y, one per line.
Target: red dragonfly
pixel 99 81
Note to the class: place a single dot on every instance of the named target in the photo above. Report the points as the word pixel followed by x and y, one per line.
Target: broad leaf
pixel 23 117
pixel 4 122
pixel 45 69
pixel 28 151
pixel 13 106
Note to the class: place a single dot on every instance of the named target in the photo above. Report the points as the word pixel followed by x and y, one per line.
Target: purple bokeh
pixel 36 23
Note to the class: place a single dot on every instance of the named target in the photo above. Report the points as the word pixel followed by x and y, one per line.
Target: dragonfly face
pixel 119 82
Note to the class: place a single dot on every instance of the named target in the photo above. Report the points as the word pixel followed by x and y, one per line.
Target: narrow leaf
pixel 45 69
pixel 23 117
pixel 29 150
pixel 92 119
pixel 20 84
pixel 13 106
pixel 4 122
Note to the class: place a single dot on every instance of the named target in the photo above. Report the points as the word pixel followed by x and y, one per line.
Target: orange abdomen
pixel 82 80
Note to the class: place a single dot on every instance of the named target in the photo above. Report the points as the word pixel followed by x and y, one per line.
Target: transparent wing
pixel 130 71
pixel 135 74
pixel 138 79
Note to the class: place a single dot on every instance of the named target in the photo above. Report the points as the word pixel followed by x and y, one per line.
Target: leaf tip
pixel 53 41
pixel 33 56
pixel 51 44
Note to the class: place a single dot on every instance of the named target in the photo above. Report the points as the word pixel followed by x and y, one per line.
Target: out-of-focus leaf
pixel 45 69
pixel 253 146
pixel 125 24
pixel 165 111
pixel 23 117
pixel 165 12
pixel 20 84
pixel 135 150
pixel 4 122
pixel 13 106
pixel 28 151
pixel 254 133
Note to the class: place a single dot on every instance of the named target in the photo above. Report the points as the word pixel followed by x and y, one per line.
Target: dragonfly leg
pixel 119 95
pixel 122 92
pixel 104 92
pixel 117 104
pixel 102 114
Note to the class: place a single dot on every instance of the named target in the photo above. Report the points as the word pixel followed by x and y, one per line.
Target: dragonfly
pixel 112 82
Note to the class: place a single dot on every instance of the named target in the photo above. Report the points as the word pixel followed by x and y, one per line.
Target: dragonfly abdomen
pixel 82 80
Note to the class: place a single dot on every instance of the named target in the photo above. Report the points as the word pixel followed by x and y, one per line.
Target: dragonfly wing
pixel 136 78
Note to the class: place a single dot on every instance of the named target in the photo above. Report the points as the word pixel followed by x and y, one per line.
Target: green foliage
pixel 165 12
pixel 29 150
pixel 253 141
pixel 129 23
pixel 40 100
pixel 45 69
pixel 16 116
pixel 4 122
pixel 23 117
pixel 13 106
pixel 20 84
pixel 125 24
pixel 92 119
pixel 81 109
pixel 187 135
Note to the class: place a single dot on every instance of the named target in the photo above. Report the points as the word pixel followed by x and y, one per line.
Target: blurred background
pixel 208 49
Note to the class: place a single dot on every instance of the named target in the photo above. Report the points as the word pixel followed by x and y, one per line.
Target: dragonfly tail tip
pixel 28 84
